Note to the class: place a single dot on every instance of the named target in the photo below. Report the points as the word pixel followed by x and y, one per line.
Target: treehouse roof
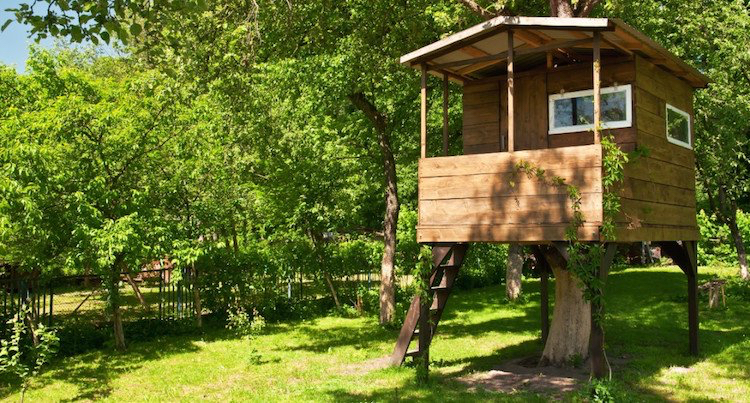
pixel 482 50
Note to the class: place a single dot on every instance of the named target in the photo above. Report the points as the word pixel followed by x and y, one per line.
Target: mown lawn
pixel 321 359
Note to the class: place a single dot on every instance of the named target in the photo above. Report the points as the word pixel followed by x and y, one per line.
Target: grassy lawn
pixel 320 359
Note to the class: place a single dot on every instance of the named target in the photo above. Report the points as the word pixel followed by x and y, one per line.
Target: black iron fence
pixel 163 294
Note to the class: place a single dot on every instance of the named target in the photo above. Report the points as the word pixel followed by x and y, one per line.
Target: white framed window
pixel 678 127
pixel 574 111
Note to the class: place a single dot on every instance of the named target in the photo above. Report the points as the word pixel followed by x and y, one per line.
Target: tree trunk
pixel 197 299
pixel 113 290
pixel 571 317
pixel 334 294
pixel 137 291
pixel 739 245
pixel 728 214
pixel 119 332
pixel 390 221
pixel 513 272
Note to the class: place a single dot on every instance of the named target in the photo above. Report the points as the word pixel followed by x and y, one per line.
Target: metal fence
pixel 149 294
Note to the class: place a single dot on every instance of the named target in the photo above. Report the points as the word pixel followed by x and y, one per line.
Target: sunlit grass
pixel 325 358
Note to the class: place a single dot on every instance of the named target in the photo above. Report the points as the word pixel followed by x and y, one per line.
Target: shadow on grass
pixel 646 323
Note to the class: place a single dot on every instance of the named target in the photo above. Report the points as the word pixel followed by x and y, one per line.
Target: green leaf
pixel 5 24
pixel 105 36
pixel 135 29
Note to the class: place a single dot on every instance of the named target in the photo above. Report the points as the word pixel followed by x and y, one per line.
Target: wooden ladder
pixel 446 262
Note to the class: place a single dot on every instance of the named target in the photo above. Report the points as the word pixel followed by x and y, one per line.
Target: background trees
pixel 274 138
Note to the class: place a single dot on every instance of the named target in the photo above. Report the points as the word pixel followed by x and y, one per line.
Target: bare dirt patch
pixel 524 374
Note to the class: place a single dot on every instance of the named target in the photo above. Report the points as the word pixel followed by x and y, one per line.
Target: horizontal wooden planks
pixel 507 184
pixel 639 212
pixel 661 172
pixel 502 233
pixel 625 135
pixel 538 209
pixel 657 233
pixel 637 189
pixel 558 158
pixel 485 198
pixel 659 189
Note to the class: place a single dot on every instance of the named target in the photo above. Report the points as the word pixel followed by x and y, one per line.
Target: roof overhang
pixel 465 55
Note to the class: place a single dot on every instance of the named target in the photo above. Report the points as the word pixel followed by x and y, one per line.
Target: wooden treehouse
pixel 542 92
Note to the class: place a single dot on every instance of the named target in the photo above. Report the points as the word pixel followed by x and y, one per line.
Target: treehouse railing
pixel 492 198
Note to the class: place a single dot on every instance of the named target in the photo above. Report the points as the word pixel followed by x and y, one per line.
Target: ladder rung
pixel 440 288
pixel 412 353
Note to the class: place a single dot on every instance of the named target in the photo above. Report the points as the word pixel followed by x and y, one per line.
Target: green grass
pixel 319 359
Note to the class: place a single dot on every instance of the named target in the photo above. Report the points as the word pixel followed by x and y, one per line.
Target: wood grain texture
pixel 502 233
pixel 581 77
pixel 569 157
pixel 485 198
pixel 507 184
pixel 531 115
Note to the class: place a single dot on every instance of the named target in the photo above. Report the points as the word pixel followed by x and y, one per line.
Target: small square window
pixel 678 127
pixel 574 111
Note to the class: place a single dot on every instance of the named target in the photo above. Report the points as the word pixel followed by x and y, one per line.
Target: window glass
pixel 678 126
pixel 575 111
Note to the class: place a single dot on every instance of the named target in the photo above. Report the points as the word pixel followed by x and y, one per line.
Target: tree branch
pixel 584 8
pixel 477 9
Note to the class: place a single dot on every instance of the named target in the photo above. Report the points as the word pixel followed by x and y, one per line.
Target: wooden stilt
pixel 446 94
pixel 685 256
pixel 511 124
pixel 423 114
pixel 597 87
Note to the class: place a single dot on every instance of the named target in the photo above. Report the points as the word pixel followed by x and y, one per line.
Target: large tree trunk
pixel 390 221
pixel 571 317
pixel 197 299
pixel 113 290
pixel 728 211
pixel 513 271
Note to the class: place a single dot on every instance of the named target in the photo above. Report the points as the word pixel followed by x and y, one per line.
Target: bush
pixel 716 247
pixel 484 265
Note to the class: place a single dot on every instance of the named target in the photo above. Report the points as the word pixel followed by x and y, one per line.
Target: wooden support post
pixel 550 61
pixel 686 256
pixel 599 365
pixel 597 87
pixel 691 248
pixel 423 114
pixel 511 124
pixel 445 114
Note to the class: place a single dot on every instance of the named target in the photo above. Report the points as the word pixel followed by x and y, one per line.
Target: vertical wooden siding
pixel 483 198
pixel 658 196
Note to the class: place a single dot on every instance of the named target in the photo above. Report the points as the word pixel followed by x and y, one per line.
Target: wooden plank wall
pixel 482 198
pixel 481 120
pixel 658 196
pixel 580 77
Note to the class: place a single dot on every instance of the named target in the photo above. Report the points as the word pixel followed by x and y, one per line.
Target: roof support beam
pixel 511 120
pixel 446 94
pixel 504 55
pixel 423 114
pixel 597 87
